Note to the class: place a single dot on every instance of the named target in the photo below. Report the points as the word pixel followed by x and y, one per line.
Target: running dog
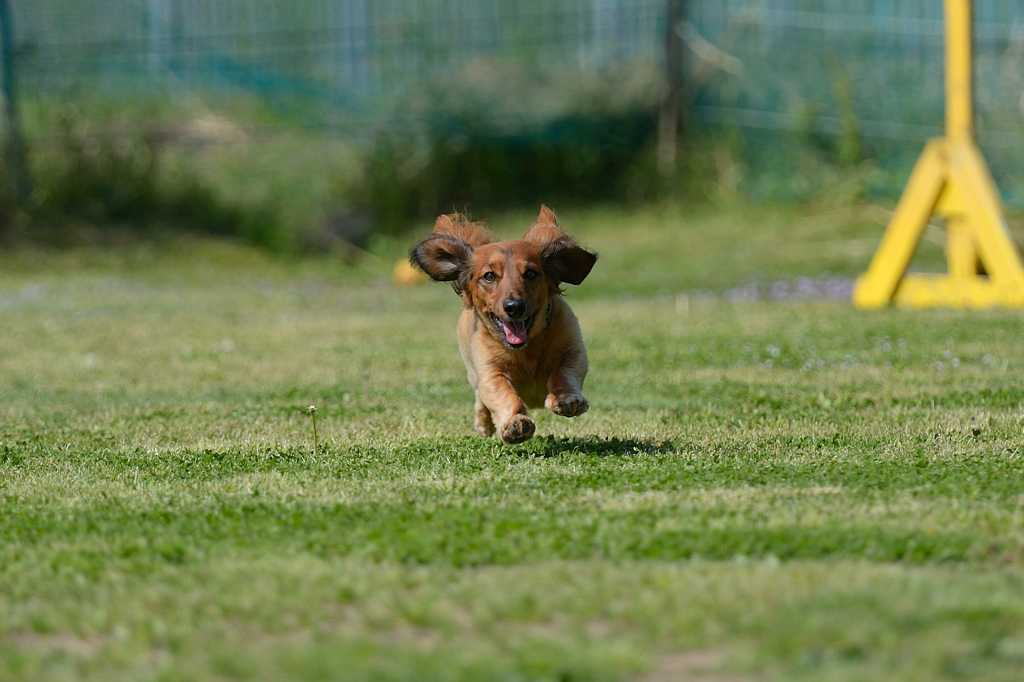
pixel 518 337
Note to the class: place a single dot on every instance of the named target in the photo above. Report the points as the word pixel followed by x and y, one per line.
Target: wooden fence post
pixel 669 119
pixel 15 180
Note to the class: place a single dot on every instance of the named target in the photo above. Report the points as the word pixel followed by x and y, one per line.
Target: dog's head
pixel 510 284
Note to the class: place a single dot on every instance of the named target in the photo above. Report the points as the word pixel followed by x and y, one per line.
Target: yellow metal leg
pixel 951 180
pixel 876 287
pixel 992 238
pixel 961 257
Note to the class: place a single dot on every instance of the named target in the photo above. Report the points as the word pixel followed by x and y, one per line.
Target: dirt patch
pixel 58 643
pixel 700 665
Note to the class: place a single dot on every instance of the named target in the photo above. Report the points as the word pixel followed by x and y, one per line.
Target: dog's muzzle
pixel 516 333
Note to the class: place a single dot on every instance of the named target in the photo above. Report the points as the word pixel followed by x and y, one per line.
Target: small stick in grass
pixel 312 413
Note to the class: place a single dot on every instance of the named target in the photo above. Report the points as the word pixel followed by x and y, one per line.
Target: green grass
pixel 761 491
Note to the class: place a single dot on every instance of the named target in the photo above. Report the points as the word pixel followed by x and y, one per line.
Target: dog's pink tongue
pixel 515 332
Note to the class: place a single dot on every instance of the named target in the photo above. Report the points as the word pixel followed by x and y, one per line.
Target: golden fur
pixel 518 337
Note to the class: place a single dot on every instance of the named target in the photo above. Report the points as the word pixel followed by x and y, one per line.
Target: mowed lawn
pixel 763 490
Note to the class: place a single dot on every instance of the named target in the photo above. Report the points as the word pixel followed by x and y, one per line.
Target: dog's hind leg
pixel 482 419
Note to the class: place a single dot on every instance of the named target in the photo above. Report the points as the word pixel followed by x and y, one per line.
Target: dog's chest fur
pixel 527 370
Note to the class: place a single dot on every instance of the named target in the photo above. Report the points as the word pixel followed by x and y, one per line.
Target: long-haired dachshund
pixel 520 341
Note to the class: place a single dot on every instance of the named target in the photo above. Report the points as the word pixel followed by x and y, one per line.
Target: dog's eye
pixel 490 277
pixel 531 274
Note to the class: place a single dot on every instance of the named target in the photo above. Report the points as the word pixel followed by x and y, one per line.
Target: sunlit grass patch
pixel 769 489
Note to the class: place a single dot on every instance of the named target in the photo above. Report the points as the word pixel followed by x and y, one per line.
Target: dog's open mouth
pixel 516 332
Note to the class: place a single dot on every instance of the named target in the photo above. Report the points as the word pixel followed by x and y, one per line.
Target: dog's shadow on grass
pixel 552 447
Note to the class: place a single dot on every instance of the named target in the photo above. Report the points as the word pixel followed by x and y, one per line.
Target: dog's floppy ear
pixel 447 254
pixel 461 227
pixel 567 261
pixel 564 259
pixel 547 215
pixel 444 258
pixel 546 229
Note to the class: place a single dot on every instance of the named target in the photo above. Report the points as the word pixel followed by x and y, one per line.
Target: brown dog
pixel 520 341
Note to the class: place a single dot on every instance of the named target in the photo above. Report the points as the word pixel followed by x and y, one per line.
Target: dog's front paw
pixel 567 404
pixel 518 429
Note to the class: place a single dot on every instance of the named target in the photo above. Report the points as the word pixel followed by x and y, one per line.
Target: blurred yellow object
pixel 405 275
pixel 950 180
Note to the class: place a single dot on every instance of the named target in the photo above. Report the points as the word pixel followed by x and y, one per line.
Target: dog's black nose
pixel 514 307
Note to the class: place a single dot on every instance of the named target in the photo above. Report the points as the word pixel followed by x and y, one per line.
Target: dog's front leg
pixel 565 385
pixel 507 410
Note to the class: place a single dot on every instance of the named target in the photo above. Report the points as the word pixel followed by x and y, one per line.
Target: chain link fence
pixel 874 64
pixel 869 68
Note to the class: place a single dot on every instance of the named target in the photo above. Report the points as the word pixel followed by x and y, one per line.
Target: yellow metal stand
pixel 950 180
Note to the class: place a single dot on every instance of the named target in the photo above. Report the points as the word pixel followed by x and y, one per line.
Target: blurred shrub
pixel 92 174
pixel 499 135
pixel 106 174
pixel 458 162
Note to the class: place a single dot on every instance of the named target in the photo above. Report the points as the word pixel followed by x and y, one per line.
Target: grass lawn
pixel 763 490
